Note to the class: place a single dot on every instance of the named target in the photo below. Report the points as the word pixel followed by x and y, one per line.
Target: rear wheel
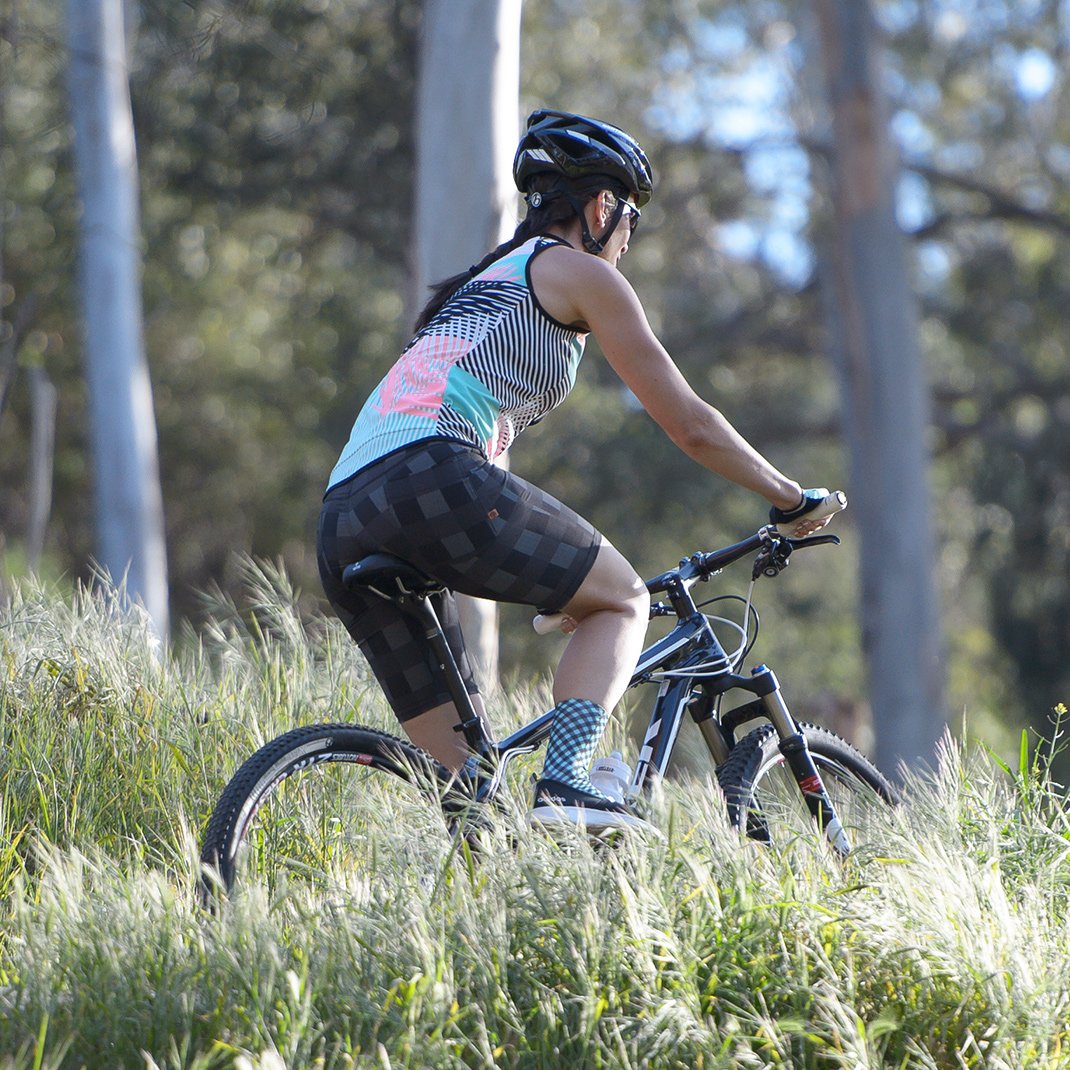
pixel 765 802
pixel 303 806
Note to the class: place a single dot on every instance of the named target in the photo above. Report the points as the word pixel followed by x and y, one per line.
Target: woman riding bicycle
pixel 495 349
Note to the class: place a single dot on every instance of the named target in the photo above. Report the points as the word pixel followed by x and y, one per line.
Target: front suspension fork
pixel 799 759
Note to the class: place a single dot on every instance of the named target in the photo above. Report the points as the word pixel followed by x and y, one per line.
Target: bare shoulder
pixel 577 288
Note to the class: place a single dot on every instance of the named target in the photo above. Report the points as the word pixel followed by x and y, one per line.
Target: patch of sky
pixel 950 27
pixel 954 21
pixel 1032 72
pixel 934 261
pixel 738 96
pixel 897 16
pixel 789 254
pixel 782 247
pixel 733 110
pixel 739 239
pixel 721 39
pixel 1035 74
pixel 754 105
pixel 783 171
pixel 723 86
pixel 913 203
pixel 911 134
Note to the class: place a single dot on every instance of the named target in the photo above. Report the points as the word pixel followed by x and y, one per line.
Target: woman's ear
pixel 594 209
pixel 605 206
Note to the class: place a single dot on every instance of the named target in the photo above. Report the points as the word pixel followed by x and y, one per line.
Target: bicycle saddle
pixel 389 576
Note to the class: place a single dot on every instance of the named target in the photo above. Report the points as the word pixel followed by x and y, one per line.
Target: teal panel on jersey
pixel 466 395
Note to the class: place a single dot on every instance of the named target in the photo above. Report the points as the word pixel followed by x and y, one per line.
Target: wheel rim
pixel 329 825
pixel 778 814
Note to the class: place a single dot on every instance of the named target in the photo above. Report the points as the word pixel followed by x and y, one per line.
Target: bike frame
pixel 694 672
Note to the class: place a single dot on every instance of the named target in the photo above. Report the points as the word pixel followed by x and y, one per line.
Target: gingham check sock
pixel 577 728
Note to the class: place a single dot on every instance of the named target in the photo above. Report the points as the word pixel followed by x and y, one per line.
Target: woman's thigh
pixel 478 529
pixel 612 583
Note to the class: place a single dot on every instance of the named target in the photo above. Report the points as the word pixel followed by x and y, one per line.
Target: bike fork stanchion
pixel 801 762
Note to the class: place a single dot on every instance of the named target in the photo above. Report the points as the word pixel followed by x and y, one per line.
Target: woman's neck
pixel 570 235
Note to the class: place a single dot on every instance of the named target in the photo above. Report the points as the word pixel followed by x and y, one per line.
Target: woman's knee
pixel 612 585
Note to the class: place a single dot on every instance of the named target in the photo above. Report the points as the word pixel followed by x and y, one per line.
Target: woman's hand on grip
pixel 816 509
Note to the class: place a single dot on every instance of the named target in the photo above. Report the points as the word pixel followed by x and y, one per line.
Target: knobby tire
pixel 756 770
pixel 306 751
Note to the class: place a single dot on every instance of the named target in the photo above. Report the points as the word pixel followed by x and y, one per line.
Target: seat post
pixel 410 589
pixel 472 726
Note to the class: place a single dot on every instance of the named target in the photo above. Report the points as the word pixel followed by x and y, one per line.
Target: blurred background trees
pixel 276 149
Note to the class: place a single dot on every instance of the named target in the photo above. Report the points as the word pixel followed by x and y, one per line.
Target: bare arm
pixel 584 289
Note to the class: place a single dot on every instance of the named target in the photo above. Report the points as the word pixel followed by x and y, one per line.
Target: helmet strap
pixel 590 242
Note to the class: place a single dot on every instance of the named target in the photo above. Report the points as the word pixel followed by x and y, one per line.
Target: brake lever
pixel 815 540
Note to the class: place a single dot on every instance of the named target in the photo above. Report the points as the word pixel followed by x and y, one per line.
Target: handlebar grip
pixel 828 506
pixel 547 623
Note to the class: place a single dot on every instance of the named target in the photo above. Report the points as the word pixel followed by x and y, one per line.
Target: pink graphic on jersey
pixel 416 385
pixel 508 269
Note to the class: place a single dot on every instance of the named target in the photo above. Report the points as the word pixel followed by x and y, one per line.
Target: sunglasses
pixel 632 214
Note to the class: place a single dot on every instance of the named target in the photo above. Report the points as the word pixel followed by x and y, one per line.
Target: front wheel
pixel 275 825
pixel 765 802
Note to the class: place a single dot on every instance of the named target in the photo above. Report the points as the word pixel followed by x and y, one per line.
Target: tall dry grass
pixel 942 943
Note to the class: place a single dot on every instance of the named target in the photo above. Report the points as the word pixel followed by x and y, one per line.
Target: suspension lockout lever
pixel 773 558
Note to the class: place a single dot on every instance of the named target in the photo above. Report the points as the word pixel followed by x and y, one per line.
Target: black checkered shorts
pixel 479 530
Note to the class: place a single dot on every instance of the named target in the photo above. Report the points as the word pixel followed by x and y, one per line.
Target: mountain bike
pixel 769 767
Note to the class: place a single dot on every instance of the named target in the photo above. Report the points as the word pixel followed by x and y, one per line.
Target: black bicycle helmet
pixel 575 146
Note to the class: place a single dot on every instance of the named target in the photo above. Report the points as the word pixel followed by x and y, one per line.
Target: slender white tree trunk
pixel 874 325
pixel 42 453
pixel 466 133
pixel 129 507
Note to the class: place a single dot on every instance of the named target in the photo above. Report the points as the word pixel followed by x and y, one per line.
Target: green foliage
pixel 276 156
pixel 982 127
pixel 38 218
pixel 941 944
pixel 276 227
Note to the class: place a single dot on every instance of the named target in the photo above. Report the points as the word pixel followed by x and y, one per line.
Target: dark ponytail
pixel 442 291
pixel 553 209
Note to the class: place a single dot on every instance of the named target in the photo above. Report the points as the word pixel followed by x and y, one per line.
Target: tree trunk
pixel 128 501
pixel 874 329
pixel 42 455
pixel 466 132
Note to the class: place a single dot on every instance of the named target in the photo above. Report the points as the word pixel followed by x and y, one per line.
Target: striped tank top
pixel 490 364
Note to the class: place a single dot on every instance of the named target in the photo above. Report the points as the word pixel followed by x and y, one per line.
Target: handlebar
pixel 772 547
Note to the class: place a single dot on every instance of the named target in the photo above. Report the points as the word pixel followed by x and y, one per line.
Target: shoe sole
pixel 580 817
